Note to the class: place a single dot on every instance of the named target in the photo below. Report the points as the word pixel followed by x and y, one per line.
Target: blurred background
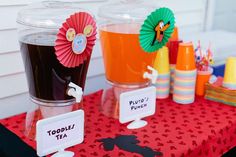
pixel 211 21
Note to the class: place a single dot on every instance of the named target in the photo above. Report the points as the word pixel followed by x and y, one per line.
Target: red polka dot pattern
pixel 204 129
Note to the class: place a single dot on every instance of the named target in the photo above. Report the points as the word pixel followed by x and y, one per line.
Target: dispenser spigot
pixel 75 91
pixel 151 76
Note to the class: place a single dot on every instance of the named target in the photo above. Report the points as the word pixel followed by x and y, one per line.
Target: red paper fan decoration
pixel 75 39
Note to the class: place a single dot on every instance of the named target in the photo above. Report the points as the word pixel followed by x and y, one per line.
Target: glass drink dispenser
pixel 56 41
pixel 124 60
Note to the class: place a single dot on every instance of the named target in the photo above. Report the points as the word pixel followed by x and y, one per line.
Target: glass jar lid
pixel 48 14
pixel 127 10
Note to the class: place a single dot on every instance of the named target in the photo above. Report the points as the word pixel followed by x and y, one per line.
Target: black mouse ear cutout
pixel 108 144
pixel 106 147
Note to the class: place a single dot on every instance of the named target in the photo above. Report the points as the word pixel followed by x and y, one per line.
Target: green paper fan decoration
pixel 157 29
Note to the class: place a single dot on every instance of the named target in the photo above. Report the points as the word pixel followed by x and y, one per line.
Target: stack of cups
pixel 185 75
pixel 162 66
pixel 173 52
pixel 230 74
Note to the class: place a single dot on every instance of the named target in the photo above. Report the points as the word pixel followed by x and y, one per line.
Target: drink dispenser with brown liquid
pixel 56 41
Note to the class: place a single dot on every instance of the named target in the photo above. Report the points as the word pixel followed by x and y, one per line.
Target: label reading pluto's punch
pixel 137 104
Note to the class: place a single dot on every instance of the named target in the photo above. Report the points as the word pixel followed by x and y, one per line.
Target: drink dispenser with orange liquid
pixel 127 66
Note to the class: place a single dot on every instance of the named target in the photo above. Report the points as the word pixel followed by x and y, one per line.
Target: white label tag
pixel 137 104
pixel 59 132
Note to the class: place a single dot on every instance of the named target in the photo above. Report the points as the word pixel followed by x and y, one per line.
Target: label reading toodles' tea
pixel 59 132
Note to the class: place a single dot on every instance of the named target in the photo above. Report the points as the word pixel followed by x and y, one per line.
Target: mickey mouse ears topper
pixel 75 39
pixel 157 29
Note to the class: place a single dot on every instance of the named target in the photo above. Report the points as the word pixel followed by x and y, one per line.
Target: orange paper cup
pixel 175 34
pixel 202 78
pixel 185 58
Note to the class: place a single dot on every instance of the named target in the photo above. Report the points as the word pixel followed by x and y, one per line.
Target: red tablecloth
pixel 205 129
